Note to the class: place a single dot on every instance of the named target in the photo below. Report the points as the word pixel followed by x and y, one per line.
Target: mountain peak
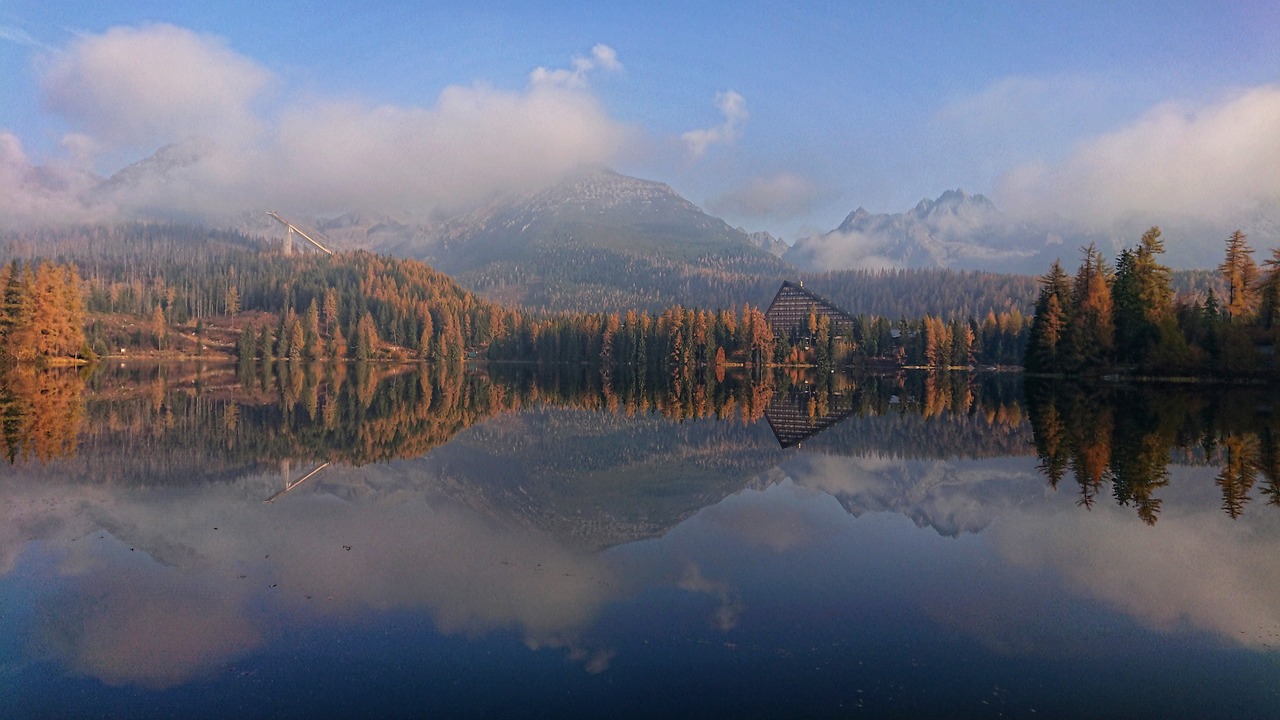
pixel 955 230
pixel 601 188
pixel 954 203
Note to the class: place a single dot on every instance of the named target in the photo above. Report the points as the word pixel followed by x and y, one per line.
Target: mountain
pixel 958 230
pixel 170 185
pixel 600 240
pixel 596 208
pixel 767 242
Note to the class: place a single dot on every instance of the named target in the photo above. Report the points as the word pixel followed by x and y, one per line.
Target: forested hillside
pixel 348 304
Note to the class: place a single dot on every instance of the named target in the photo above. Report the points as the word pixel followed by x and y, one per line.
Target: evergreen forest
pixel 176 291
pixel 1128 318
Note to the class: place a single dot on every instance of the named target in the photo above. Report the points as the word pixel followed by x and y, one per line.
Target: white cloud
pixel 30 195
pixel 575 76
pixel 1025 109
pixel 129 91
pixel 734 109
pixel 140 87
pixel 1175 162
pixel 476 141
pixel 839 250
pixel 783 196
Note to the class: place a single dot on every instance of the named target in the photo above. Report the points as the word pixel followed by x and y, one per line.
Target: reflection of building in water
pixel 788 314
pixel 799 414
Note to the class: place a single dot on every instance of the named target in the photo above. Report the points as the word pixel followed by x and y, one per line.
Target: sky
pixel 774 117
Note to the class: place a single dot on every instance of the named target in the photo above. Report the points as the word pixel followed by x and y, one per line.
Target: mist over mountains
pixel 583 228
pixel 957 230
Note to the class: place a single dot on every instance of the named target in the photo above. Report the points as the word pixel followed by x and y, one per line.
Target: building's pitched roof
pixel 791 292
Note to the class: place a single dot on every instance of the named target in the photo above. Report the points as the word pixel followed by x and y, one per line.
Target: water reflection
pixel 645 532
pixel 1127 437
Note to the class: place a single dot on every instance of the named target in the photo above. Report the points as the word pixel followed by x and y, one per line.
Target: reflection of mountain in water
pixel 601 479
pixel 956 496
pixel 600 461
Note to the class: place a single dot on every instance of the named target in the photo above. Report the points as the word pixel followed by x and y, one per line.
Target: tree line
pixel 1128 318
pixel 680 339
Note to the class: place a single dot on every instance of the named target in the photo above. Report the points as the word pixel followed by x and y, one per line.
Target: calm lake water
pixel 188 542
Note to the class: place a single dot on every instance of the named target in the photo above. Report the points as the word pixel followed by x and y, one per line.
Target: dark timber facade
pixel 788 314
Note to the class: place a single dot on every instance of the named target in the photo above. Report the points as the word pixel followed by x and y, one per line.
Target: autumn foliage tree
pixel 41 312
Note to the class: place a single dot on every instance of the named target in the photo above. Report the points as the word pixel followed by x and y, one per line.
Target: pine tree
pixel 18 312
pixel 73 339
pixel 1090 328
pixel 366 337
pixel 1269 293
pixel 231 299
pixel 247 347
pixel 1241 275
pixel 1143 300
pixel 1046 344
pixel 265 343
pixel 311 332
pixel 159 328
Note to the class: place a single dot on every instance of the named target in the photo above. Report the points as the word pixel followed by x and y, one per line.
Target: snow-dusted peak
pixel 955 230
pixel 604 189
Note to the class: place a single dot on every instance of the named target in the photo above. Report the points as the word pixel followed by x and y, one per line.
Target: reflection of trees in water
pixel 1239 471
pixel 154 421
pixel 901 414
pixel 1128 436
pixel 354 414
pixel 41 412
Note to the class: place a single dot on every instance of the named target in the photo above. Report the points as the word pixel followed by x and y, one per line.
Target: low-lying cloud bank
pixel 242 143
pixel 1217 161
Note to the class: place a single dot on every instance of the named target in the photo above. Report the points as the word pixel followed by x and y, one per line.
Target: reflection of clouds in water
pixel 34 511
pixel 475 576
pixel 181 608
pixel 1195 567
pixel 730 607
pixel 208 554
pixel 141 623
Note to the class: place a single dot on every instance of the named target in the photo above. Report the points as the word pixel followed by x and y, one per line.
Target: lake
pixel 198 541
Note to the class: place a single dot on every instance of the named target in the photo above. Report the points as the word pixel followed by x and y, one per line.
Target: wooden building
pixel 788 314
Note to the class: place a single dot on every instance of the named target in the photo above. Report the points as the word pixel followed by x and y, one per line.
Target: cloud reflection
pixel 181 581
pixel 175 583
pixel 145 624
pixel 1196 569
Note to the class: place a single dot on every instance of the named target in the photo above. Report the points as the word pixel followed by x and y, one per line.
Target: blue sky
pixel 804 113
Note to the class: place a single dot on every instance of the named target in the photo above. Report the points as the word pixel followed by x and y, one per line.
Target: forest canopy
pixel 1128 318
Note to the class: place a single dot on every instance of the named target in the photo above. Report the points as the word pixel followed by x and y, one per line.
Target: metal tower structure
pixel 290 229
